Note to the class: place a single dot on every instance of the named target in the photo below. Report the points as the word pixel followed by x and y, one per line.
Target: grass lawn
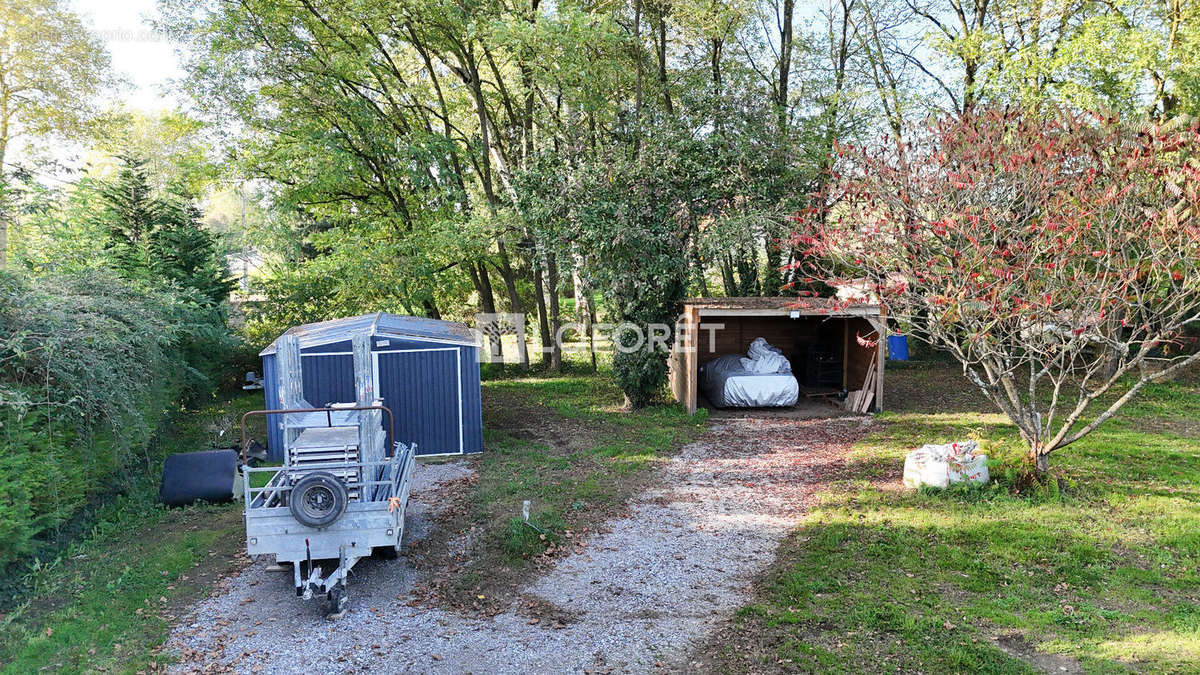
pixel 108 600
pixel 1103 576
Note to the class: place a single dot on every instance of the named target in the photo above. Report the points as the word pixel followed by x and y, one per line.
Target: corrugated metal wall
pixel 328 378
pixel 421 388
pixel 417 380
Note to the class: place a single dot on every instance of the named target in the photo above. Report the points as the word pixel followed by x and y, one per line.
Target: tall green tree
pixel 186 254
pixel 51 70
pixel 629 215
pixel 158 237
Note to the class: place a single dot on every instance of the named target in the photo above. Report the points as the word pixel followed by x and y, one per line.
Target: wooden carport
pixel 710 327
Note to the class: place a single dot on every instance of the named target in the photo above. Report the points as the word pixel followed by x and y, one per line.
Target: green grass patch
pixel 1105 571
pixel 565 445
pixel 525 539
pixel 106 601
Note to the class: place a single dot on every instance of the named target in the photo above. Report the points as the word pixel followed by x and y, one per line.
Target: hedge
pixel 89 363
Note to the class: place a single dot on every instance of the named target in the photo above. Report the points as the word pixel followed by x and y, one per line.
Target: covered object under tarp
pixel 831 345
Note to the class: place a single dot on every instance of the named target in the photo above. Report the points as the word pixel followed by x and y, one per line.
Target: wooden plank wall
pixel 859 357
pixel 782 332
pixel 677 364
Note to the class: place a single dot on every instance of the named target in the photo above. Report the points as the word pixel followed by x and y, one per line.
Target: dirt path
pixel 635 597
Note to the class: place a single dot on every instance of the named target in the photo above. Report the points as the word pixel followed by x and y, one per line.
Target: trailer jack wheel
pixel 337 602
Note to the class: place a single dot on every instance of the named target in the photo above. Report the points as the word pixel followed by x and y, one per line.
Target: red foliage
pixel 1059 246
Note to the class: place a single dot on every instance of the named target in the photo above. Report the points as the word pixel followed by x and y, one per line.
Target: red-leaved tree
pixel 1054 255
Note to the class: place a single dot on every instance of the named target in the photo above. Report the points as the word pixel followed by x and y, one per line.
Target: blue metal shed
pixel 425 370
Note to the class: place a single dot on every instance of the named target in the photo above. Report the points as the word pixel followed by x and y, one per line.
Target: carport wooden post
pixel 880 327
pixel 691 357
pixel 846 354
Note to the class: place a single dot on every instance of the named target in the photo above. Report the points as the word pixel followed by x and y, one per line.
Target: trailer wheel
pixel 318 499
pixel 337 602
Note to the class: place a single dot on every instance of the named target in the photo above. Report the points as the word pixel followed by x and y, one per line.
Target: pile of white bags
pixel 941 465
pixel 765 359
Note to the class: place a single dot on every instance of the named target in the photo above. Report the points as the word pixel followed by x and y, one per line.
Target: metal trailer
pixel 338 494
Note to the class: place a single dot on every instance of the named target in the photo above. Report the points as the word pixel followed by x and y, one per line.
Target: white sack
pixel 767 364
pixel 941 465
pixel 765 359
pixel 760 348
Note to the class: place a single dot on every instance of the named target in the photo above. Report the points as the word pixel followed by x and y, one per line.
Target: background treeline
pixel 574 161
pixel 441 157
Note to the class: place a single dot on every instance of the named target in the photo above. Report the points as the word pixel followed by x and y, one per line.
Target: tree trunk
pixel 487 301
pixel 698 265
pixel 591 323
pixel 543 325
pixel 747 270
pixel 773 275
pixel 727 276
pixel 715 64
pixel 785 63
pixel 555 315
pixel 1040 461
pixel 661 45
pixel 515 304
pixel 431 309
pixel 584 311
pixel 4 207
pixel 639 79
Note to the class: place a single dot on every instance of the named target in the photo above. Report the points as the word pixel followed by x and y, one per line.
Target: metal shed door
pixel 423 388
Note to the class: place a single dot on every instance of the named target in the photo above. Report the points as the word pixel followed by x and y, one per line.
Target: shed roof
pixel 782 305
pixel 379 323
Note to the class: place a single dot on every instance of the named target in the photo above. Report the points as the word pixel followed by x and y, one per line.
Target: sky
pixel 144 58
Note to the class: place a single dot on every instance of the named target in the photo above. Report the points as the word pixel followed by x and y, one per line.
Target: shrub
pixel 89 363
pixel 627 225
pixel 1054 255
pixel 640 374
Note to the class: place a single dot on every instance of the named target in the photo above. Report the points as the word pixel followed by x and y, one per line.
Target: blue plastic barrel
pixel 898 347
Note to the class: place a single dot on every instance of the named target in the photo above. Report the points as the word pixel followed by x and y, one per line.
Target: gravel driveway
pixel 641 594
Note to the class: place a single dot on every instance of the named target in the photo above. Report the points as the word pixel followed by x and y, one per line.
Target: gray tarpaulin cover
pixel 728 383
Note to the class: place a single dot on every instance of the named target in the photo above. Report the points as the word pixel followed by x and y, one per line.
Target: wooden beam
pixel 852 312
pixel 692 358
pixel 364 380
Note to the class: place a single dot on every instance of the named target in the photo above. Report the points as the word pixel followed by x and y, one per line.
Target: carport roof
pixel 781 305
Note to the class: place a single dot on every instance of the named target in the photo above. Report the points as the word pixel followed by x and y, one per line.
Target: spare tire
pixel 318 499
pixel 194 476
